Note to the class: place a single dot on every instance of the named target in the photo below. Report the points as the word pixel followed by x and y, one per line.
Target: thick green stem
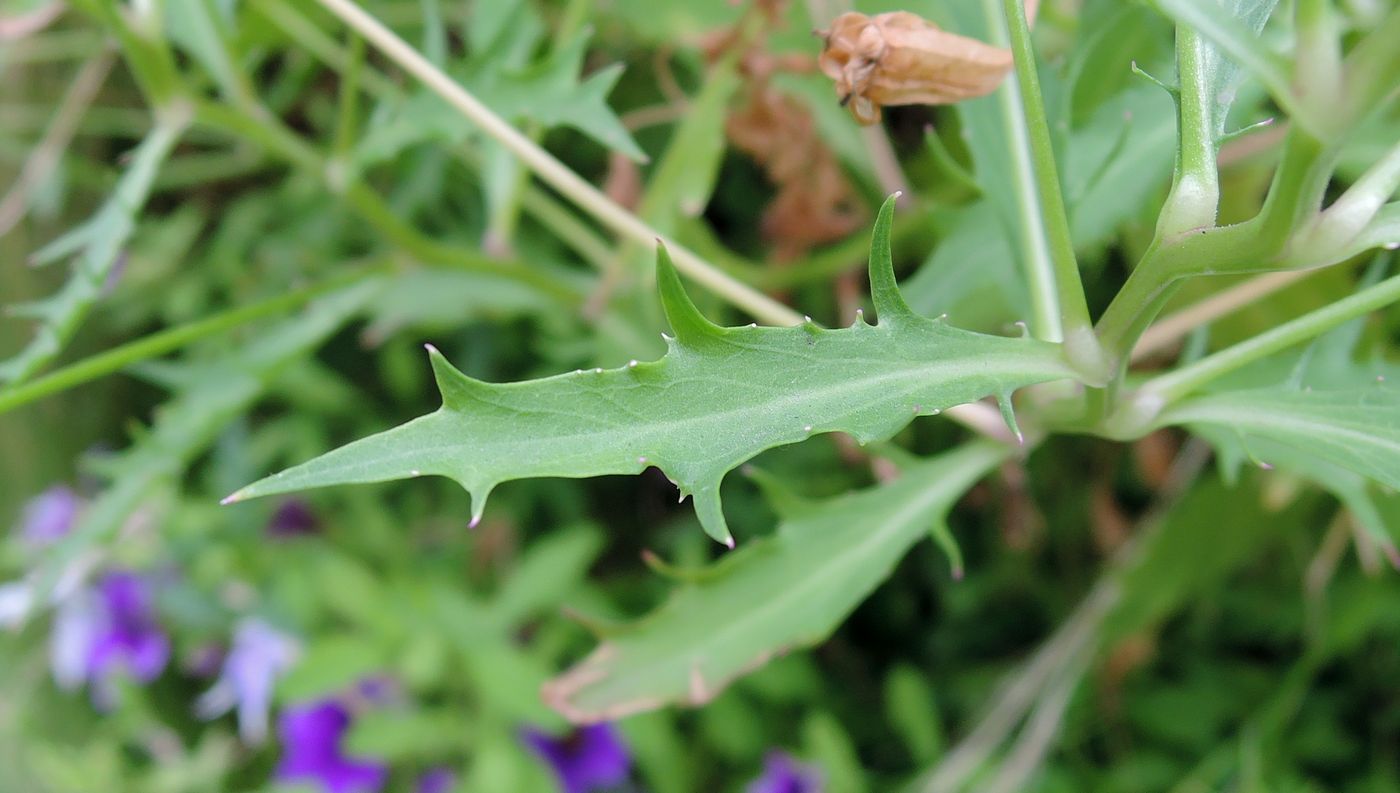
pixel 1195 193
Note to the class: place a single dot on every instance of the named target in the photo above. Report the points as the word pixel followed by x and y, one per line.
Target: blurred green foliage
pixel 1130 618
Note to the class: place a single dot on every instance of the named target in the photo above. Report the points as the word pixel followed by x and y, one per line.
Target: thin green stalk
pixel 347 114
pixel 1175 385
pixel 166 341
pixel 1081 346
pixel 555 173
pixel 1045 320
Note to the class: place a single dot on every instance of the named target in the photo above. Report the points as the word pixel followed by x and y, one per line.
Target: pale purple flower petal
pixel 783 774
pixel 49 516
pixel 311 750
pixel 103 632
pixel 588 759
pixel 76 626
pixel 259 656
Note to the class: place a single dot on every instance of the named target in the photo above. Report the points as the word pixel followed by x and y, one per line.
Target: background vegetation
pixel 232 225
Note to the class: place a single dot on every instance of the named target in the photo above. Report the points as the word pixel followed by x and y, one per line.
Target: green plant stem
pixel 555 173
pixel 1297 188
pixel 1237 41
pixel 1175 385
pixel 1260 244
pixel 347 113
pixel 1195 194
pixel 169 340
pixel 1353 212
pixel 1082 347
pixel 1045 320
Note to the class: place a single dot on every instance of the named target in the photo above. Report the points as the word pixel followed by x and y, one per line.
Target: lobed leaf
pixel 718 397
pixel 775 594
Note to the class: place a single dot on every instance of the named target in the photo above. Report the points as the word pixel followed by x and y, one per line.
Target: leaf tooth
pixel 458 390
pixel 690 326
pixel 711 513
pixel 683 575
pixel 943 538
pixel 1008 414
pixel 479 493
pixel 890 308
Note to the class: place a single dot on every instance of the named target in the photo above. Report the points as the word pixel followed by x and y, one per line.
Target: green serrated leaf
pixel 775 594
pixel 718 397
pixel 98 246
pixel 552 94
pixel 1355 429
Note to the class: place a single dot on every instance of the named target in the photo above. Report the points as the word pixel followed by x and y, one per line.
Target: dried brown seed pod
pixel 900 58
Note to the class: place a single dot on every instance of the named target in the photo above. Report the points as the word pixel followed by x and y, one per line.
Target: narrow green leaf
pixel 98 247
pixel 684 177
pixel 718 397
pixel 787 591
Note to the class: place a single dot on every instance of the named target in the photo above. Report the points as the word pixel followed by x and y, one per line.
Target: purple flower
pixel 311 752
pixel 49 516
pixel 437 780
pixel 782 774
pixel 260 654
pixel 590 758
pixel 107 632
pixel 293 518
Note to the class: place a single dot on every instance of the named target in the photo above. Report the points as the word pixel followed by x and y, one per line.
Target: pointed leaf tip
pixel 711 514
pixel 689 325
pixel 890 307
pixel 943 538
